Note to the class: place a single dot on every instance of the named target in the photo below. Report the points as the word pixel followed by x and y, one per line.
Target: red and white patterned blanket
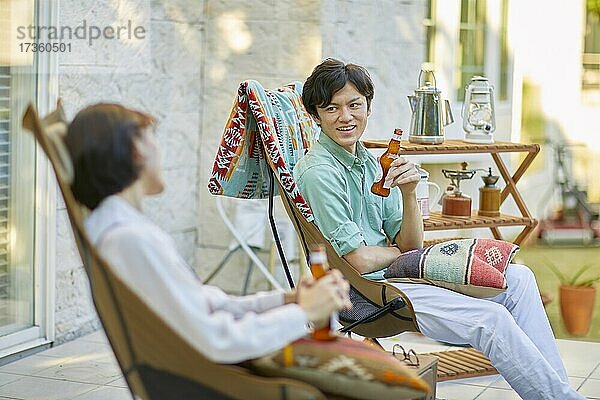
pixel 264 126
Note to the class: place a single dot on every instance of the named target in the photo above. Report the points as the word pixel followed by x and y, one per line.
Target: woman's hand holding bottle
pixel 319 298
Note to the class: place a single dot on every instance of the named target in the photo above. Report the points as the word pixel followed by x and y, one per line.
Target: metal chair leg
pixel 221 264
pixel 248 276
pixel 242 242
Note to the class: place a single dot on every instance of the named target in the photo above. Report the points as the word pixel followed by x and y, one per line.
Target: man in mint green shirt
pixel 355 218
pixel 336 174
pixel 370 232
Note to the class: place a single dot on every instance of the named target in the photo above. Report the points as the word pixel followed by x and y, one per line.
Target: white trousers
pixel 511 329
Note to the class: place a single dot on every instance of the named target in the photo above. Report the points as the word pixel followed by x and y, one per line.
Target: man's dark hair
pixel 100 141
pixel 329 77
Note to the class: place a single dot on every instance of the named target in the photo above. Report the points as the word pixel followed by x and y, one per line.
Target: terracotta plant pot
pixel 576 307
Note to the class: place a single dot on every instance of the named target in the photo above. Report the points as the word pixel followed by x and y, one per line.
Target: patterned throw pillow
pixel 474 267
pixel 344 367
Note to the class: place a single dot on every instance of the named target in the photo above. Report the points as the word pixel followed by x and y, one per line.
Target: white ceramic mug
pixel 422 192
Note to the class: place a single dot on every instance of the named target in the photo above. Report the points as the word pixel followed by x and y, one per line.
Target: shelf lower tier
pixel 437 222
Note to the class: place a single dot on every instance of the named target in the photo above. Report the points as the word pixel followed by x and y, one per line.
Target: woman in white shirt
pixel 117 163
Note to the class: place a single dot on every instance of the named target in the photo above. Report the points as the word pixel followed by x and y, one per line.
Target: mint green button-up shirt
pixel 337 186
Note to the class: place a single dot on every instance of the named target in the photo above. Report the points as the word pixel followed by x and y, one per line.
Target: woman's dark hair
pixel 329 77
pixel 100 142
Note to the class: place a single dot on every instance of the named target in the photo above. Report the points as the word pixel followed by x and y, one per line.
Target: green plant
pixel 575 279
pixel 593 6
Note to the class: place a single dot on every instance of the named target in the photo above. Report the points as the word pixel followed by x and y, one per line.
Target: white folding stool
pixel 248 230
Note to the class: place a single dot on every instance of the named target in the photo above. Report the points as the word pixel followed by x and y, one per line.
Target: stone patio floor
pixel 85 369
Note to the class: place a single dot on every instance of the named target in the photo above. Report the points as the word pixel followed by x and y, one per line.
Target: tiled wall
pixel 273 42
pixel 162 75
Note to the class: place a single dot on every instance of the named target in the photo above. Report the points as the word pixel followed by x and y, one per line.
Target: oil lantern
pixel 479 118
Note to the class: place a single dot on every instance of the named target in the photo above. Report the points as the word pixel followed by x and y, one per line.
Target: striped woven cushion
pixel 478 262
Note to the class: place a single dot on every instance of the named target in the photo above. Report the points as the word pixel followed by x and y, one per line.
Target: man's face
pixel 344 120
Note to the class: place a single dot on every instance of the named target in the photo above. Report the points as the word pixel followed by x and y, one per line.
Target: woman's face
pixel 148 151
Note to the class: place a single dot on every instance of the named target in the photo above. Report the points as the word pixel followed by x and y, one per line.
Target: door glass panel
pixel 17 171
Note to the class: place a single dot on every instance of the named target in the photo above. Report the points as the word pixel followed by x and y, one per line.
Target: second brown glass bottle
pixel 382 186
pixel 318 268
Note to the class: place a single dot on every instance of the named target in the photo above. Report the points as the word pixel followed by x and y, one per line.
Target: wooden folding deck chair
pixel 386 311
pixel 260 135
pixel 156 362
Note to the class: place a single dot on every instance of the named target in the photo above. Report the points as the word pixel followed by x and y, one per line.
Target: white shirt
pixel 226 329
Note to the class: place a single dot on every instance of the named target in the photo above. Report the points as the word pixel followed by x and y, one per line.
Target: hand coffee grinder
pixel 489 196
pixel 455 203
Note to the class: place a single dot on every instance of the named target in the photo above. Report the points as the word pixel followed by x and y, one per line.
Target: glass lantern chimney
pixel 478 111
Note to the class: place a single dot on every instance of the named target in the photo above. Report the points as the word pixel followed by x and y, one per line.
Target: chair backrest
pixel 156 362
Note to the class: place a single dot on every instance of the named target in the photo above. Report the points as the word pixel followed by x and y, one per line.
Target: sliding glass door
pixel 18 83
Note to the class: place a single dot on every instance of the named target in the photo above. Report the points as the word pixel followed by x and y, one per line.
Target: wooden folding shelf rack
pixel 437 221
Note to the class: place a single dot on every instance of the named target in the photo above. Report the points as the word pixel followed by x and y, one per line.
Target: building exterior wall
pixel 162 77
pixel 285 41
pixel 273 42
pixel 386 37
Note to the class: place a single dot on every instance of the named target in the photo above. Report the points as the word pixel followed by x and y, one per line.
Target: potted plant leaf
pixel 577 296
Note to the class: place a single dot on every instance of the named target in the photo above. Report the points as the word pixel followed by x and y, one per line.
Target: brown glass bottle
pixel 382 186
pixel 318 268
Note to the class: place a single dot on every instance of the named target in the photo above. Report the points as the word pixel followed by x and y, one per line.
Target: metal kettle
pixel 426 125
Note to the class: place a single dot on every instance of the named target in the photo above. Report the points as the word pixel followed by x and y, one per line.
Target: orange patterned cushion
pixel 344 367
